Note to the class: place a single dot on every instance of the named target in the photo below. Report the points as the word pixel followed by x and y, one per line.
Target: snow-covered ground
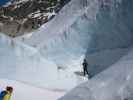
pixel 28 92
pixel 115 83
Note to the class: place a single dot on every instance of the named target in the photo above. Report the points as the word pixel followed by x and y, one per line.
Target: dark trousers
pixel 86 71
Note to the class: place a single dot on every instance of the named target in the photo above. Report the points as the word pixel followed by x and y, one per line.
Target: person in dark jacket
pixel 85 65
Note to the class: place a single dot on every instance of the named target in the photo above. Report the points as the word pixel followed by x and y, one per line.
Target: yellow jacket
pixel 7 96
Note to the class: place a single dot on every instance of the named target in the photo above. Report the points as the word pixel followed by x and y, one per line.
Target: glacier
pixel 94 29
pixel 98 30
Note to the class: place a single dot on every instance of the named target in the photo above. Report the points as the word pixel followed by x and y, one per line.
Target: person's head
pixel 9 88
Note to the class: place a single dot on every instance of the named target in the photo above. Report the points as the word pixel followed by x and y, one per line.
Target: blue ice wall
pixel 111 34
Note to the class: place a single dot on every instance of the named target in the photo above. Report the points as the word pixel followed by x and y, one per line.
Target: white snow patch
pixel 27 92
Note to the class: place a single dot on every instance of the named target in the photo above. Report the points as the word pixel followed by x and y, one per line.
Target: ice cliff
pixel 100 29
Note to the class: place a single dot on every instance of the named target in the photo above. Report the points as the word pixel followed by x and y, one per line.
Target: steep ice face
pixel 69 37
pixel 85 27
pixel 112 30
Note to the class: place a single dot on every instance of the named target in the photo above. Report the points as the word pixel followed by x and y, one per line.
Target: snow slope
pixel 115 83
pixel 28 92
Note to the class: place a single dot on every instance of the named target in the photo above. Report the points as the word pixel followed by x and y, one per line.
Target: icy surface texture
pixel 23 63
pixel 115 83
pixel 111 34
pixel 86 26
pixel 67 35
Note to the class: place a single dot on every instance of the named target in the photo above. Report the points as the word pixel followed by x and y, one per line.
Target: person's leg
pixel 87 72
pixel 89 75
pixel 84 71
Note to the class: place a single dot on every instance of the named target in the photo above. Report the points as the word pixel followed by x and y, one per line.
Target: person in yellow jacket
pixel 9 91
